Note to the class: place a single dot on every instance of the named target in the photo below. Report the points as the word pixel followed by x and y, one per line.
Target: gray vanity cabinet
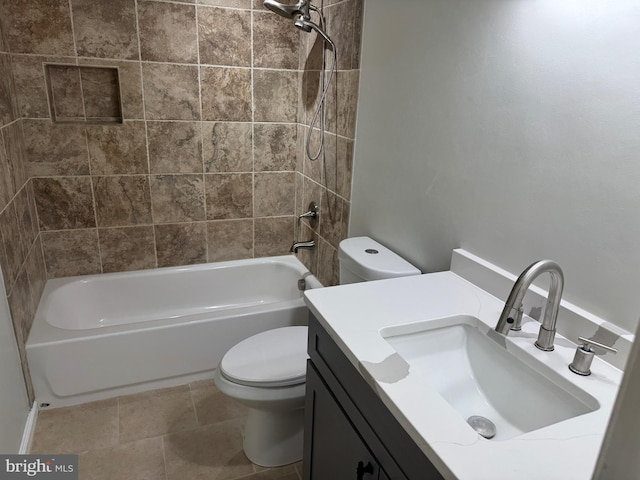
pixel 349 433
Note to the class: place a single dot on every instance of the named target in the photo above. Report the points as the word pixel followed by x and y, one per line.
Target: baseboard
pixel 29 429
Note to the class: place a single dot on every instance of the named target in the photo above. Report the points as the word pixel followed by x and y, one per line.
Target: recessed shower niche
pixel 84 94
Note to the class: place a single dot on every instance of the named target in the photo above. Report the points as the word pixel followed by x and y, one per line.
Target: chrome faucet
pixel 512 312
pixel 297 245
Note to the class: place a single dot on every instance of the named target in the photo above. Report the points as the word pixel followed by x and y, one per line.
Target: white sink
pixel 472 368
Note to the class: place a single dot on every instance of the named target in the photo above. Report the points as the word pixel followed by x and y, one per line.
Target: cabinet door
pixel 333 448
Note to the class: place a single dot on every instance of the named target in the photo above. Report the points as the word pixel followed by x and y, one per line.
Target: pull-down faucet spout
pixel 512 307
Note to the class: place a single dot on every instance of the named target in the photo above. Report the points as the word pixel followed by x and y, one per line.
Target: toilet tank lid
pixel 274 358
pixel 371 260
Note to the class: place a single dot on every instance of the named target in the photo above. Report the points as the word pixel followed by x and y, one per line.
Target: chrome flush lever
pixel 584 356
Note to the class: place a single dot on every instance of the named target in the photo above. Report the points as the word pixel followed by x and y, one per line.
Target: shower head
pixel 286 10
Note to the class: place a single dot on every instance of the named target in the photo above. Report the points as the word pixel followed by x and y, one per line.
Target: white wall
pixel 14 404
pixel 510 128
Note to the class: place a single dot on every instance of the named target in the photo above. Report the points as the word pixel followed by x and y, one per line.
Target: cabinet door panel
pixel 337 451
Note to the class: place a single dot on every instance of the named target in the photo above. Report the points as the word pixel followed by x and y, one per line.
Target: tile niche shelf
pixel 84 94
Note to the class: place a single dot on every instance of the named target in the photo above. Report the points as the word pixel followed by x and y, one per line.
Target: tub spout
pixel 298 245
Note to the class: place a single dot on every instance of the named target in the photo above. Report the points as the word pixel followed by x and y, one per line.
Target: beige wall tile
pixel 275 146
pixel 127 248
pixel 275 95
pixel 181 244
pixel 308 256
pixel 273 236
pixel 8 104
pixel 229 195
pixel 118 149
pixel 226 94
pixel 171 92
pixel 31 90
pixel 275 42
pixel 21 306
pixel 177 198
pixel 6 185
pixel 76 429
pixel 122 200
pixel 13 247
pixel 105 29
pixel 246 4
pixel 71 252
pixel 64 202
pixel 274 194
pixel 227 147
pixel 37 273
pixel 229 240
pixel 14 147
pixel 55 149
pixel 224 36
pixel 175 147
pixel 331 225
pixel 167 32
pixel 38 26
pixel 328 267
pixel 27 217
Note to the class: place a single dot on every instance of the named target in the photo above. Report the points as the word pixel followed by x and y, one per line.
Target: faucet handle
pixel 584 356
pixel 311 213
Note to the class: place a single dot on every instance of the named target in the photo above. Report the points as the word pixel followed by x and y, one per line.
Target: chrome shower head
pixel 287 10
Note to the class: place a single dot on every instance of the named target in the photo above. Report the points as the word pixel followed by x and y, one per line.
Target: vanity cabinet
pixel 349 432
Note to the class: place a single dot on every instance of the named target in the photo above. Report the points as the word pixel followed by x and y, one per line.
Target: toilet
pixel 266 372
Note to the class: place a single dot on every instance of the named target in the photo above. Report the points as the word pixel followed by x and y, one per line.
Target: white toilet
pixel 266 372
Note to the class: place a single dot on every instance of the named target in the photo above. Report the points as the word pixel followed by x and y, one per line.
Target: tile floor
pixel 190 432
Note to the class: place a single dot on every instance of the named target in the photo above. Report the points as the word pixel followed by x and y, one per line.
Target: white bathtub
pixel 100 336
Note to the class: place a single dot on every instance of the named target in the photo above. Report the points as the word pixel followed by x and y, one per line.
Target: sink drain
pixel 483 426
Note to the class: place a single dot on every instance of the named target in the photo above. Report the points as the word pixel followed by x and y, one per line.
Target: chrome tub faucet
pixel 298 245
pixel 512 312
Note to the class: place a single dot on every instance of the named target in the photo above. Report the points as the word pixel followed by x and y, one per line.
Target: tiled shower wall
pixel 208 164
pixel 327 181
pixel 21 256
pixel 204 166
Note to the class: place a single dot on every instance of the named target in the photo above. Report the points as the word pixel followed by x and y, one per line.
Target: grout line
pixel 201 130
pixel 73 32
pixel 253 137
pixel 146 132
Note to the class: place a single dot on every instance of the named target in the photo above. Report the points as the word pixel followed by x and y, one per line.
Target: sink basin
pixel 478 375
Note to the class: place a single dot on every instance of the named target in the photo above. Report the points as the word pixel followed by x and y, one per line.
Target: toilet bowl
pixel 266 372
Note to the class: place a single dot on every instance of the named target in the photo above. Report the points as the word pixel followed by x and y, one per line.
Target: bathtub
pixel 101 336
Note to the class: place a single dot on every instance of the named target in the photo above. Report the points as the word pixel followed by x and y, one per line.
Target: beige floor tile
pixel 149 414
pixel 212 452
pixel 213 406
pixel 77 429
pixel 288 472
pixel 140 460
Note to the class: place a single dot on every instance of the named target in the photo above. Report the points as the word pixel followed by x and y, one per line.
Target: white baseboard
pixel 29 429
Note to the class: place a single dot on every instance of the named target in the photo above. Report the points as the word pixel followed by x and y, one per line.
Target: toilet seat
pixel 274 358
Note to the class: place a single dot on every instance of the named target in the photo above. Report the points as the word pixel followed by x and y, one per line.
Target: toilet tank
pixel 363 259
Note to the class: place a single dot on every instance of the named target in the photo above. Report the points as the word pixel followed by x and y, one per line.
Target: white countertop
pixel 354 314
